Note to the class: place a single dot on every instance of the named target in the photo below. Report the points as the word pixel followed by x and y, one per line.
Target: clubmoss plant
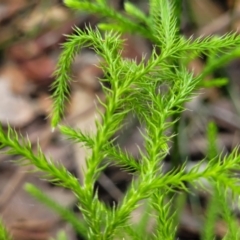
pixel 135 87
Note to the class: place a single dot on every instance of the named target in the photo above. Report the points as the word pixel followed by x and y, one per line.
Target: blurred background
pixel 30 36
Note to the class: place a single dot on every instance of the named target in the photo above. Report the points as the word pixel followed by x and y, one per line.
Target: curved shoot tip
pixel 55 120
pixel 54 124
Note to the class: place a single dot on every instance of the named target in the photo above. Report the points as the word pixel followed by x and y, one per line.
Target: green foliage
pixel 65 214
pixel 208 231
pixel 217 82
pixel 219 203
pixel 135 87
pixel 3 232
pixel 218 207
pixel 61 235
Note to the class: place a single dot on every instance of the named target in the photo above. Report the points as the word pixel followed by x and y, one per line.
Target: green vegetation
pixel 136 88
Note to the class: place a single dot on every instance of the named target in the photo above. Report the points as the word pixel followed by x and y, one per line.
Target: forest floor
pixel 30 36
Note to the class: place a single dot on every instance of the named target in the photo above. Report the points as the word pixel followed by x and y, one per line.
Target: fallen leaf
pixel 39 70
pixel 14 109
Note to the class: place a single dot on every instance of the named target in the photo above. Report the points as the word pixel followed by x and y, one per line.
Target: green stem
pixel 175 154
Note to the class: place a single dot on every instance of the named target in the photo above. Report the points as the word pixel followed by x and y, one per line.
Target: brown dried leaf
pixel 39 70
